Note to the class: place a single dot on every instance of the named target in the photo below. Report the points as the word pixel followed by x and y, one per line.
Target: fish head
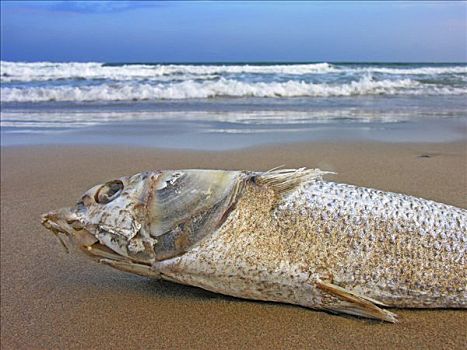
pixel 107 217
pixel 148 216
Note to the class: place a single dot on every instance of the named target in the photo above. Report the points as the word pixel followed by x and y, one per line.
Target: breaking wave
pixel 45 71
pixel 93 81
pixel 413 71
pixel 221 88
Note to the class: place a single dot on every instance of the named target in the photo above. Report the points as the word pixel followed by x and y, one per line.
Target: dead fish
pixel 284 235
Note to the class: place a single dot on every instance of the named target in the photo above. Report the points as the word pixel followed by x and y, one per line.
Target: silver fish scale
pixel 389 246
pixel 332 201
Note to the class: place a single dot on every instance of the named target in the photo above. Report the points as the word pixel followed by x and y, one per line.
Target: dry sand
pixel 50 299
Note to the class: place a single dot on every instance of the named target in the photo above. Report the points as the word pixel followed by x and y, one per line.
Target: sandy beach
pixel 52 300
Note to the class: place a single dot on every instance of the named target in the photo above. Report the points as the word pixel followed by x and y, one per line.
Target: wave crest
pixel 46 71
pixel 221 88
pixel 43 71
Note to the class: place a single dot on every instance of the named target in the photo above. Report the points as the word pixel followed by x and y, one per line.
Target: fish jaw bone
pixel 65 222
pixel 132 267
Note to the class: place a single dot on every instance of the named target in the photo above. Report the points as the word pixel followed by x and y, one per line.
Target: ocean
pixel 230 105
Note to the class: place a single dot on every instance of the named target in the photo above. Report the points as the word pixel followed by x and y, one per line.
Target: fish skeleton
pixel 283 235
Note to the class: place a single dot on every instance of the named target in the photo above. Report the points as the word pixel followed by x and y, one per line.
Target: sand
pixel 50 299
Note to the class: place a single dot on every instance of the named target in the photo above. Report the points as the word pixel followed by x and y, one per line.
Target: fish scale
pixel 402 221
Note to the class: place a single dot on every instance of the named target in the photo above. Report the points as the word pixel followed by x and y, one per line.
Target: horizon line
pixel 236 62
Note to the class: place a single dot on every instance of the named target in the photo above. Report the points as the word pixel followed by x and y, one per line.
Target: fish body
pixel 286 236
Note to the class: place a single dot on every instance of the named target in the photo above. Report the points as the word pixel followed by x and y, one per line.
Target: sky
pixel 217 31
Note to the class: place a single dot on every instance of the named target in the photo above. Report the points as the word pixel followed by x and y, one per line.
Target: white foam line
pixel 14 71
pixel 221 88
pixel 43 71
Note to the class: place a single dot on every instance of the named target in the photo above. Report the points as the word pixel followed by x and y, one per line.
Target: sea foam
pixel 45 71
pixel 220 88
pixel 94 81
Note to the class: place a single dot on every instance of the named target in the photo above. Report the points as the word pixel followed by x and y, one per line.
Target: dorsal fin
pixel 284 180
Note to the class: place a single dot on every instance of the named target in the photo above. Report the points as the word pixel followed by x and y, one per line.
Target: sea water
pixel 230 105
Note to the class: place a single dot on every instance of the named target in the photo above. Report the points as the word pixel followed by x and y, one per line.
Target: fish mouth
pixel 56 222
pixel 64 223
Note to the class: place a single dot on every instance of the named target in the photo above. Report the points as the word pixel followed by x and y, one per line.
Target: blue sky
pixel 233 31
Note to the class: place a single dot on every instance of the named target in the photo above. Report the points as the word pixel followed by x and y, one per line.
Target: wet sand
pixel 50 299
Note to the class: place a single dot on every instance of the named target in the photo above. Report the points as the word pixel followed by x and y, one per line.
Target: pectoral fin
pixel 354 304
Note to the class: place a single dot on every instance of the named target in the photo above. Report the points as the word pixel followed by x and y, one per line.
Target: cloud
pixel 84 7
pixel 103 6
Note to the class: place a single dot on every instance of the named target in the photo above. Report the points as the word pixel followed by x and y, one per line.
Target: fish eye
pixel 109 191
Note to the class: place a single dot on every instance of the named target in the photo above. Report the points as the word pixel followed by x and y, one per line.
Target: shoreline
pixel 212 135
pixel 55 300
